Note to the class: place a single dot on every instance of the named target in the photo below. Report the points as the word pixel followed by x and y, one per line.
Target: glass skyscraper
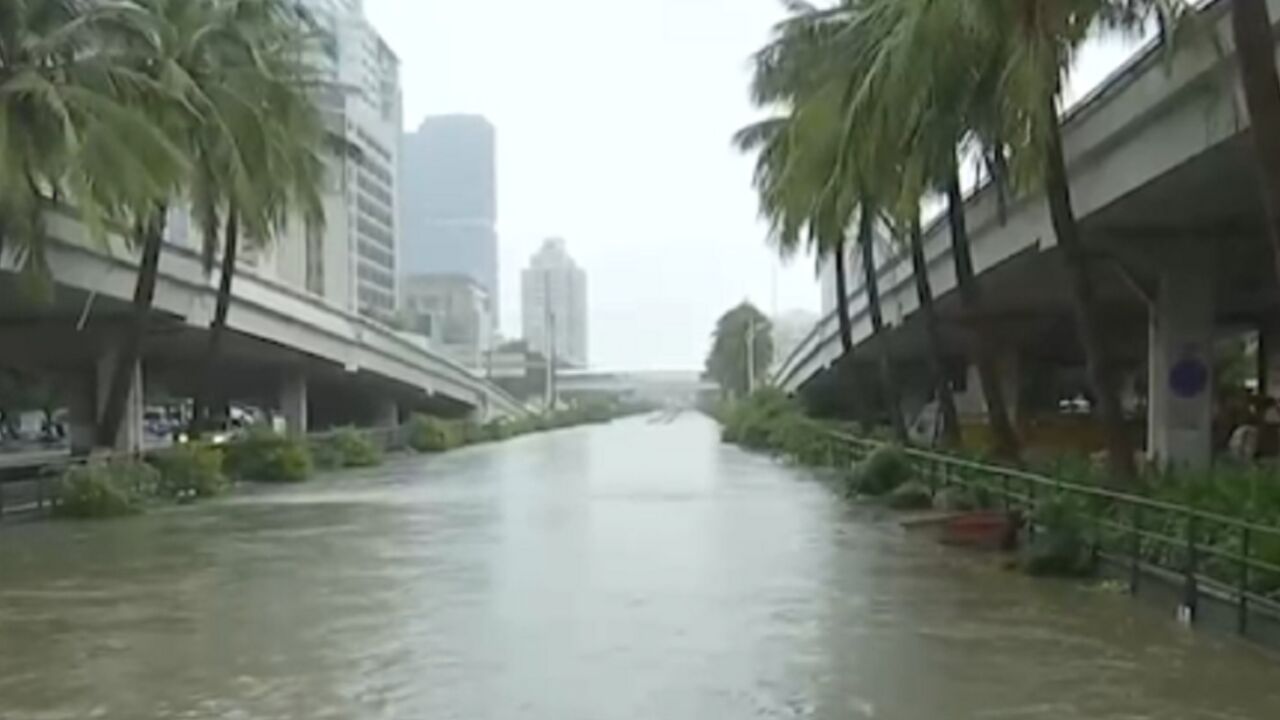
pixel 448 201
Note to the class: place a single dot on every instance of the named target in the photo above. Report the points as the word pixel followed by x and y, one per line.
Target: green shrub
pixel 751 422
pixel 431 434
pixel 105 489
pixel 325 454
pixel 910 495
pixel 881 472
pixel 497 430
pixel 956 498
pixel 1063 545
pixel 471 433
pixel 264 456
pixel 345 448
pixel 190 471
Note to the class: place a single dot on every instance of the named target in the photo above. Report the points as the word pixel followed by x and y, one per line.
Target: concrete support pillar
pixel 82 411
pixel 1269 359
pixel 89 397
pixel 293 403
pixel 972 402
pixel 1180 362
pixel 1009 369
pixel 387 413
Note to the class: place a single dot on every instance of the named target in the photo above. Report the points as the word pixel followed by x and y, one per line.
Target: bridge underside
pixel 68 338
pixel 1195 232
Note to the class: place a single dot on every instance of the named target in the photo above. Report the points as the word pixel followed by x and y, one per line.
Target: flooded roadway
pixel 633 572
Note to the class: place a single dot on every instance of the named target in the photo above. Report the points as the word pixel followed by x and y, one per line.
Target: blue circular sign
pixel 1188 377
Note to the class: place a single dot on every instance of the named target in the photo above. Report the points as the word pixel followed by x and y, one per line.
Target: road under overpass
pixel 285 350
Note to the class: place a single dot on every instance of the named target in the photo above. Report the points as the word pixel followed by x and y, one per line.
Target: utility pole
pixel 550 401
pixel 751 355
pixel 551 361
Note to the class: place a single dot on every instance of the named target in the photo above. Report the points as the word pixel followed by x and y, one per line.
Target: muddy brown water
pixel 634 571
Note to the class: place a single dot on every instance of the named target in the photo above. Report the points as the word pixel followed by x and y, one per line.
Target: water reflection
pixel 634 571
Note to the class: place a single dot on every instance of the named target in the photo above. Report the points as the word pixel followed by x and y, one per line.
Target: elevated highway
pixel 286 350
pixel 1164 185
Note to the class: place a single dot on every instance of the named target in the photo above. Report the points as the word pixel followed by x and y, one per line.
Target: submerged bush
pixel 190 471
pixel 1063 544
pixel 910 495
pixel 264 456
pixel 881 472
pixel 432 434
pixel 105 489
pixel 497 430
pixel 752 421
pixel 345 448
pixel 800 438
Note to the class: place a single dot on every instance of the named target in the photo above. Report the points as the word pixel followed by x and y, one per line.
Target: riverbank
pixel 1212 540
pixel 116 486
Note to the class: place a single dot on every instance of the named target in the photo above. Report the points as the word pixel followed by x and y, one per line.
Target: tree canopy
pixel 727 363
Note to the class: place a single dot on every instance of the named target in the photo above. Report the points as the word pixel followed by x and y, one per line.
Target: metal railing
pixel 1228 558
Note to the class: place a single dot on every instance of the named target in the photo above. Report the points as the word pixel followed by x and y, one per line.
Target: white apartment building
pixel 452 311
pixel 353 263
pixel 553 294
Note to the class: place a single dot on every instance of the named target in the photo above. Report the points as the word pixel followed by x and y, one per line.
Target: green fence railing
pixel 1233 559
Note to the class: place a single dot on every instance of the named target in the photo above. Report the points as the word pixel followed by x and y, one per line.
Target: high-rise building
pixel 354 263
pixel 553 294
pixel 448 201
pixel 452 312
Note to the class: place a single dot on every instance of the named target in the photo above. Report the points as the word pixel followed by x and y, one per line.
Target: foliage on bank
pixel 428 434
pixel 186 473
pixel 344 448
pixel 1069 528
pixel 118 487
pixel 737 329
pixel 267 457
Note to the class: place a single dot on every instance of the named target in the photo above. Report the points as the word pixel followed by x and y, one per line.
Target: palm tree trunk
pixel 1085 305
pixel 1007 446
pixel 151 231
pixel 888 377
pixel 937 363
pixel 208 400
pixel 842 299
pixel 1255 48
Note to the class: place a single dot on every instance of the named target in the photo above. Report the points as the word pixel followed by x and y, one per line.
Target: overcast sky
pixel 613 121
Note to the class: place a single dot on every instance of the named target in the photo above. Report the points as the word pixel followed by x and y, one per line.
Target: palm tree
pixel 260 165
pixel 927 110
pixel 1256 50
pixel 1033 48
pixel 785 204
pixel 805 182
pixel 70 128
pixel 871 286
pixel 200 56
pixel 173 48
pixel 911 239
pixel 1004 60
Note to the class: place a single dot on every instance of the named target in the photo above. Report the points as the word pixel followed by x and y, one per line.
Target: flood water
pixel 637 571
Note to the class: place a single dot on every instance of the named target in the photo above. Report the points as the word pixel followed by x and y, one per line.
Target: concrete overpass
pixel 287 350
pixel 1164 185
pixel 662 387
